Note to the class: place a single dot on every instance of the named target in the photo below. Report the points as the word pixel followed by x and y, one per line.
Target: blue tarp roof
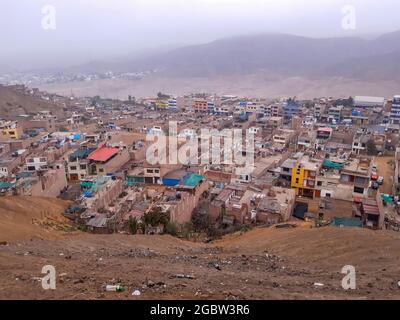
pixel 333 165
pixel 81 153
pixel 346 222
pixel 6 185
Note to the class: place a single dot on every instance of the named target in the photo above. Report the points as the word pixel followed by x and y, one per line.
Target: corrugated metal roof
pixel 103 154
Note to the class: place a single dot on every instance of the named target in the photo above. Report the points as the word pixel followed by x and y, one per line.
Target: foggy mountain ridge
pixel 280 54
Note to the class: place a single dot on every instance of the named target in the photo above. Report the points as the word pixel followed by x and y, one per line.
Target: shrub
pixel 171 228
pixel 133 225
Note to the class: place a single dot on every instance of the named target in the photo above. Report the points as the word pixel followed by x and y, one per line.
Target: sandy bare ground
pixel 261 264
pixel 265 263
pixel 24 218
pixel 258 85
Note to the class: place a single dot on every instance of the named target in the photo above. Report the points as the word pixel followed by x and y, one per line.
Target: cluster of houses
pixel 313 160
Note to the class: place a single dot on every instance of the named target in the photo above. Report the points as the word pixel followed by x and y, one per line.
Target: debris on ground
pixel 115 288
pixel 136 293
pixel 182 276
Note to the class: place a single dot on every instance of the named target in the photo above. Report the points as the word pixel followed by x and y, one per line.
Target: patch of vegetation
pixel 371 148
pixel 156 217
pixel 172 229
pixel 133 225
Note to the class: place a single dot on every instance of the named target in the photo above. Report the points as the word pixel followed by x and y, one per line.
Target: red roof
pixel 103 154
pixel 325 129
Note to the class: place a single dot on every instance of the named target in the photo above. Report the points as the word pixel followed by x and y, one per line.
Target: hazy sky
pixel 99 29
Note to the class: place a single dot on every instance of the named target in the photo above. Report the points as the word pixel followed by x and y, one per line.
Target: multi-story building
pixel 106 160
pixel 287 166
pixel 360 143
pixel 290 108
pixel 283 137
pixel 395 110
pixel 252 107
pixel 335 114
pixel 78 165
pixel 369 102
pixel 172 104
pixel 357 174
pixel 319 110
pixel 304 177
pixel 200 105
pixel 276 110
pixel 10 130
pixel 36 162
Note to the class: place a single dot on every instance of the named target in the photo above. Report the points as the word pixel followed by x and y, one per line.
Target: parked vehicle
pixel 380 180
pixel 375 185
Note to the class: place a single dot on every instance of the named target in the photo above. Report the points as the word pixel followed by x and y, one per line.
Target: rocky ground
pixel 265 263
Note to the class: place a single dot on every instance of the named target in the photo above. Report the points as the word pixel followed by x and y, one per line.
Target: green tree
pixel 156 217
pixel 371 148
pixel 161 95
pixel 201 222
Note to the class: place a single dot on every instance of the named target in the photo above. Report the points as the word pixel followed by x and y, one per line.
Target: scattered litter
pixel 115 288
pixel 398 284
pixel 62 274
pixel 217 266
pixel 182 276
pixel 3 243
pixel 61 254
pixel 136 293
pixel 317 284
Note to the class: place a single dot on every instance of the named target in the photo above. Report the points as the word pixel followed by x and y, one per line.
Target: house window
pixel 297 180
pixel 358 190
pixel 42 159
pixel 101 170
pixel 150 171
pixel 73 168
pixel 319 183
pixel 83 166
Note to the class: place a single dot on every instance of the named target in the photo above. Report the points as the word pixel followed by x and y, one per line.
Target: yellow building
pixel 10 130
pixel 304 178
pixel 161 104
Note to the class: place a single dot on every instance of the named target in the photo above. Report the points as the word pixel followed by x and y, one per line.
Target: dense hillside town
pixel 329 161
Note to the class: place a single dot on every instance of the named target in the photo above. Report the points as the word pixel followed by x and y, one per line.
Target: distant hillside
pixel 273 65
pixel 14 103
pixel 280 54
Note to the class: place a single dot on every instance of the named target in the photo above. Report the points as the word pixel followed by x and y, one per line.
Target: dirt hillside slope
pixel 30 217
pixel 266 263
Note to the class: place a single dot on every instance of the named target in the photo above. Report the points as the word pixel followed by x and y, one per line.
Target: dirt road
pixel 385 169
